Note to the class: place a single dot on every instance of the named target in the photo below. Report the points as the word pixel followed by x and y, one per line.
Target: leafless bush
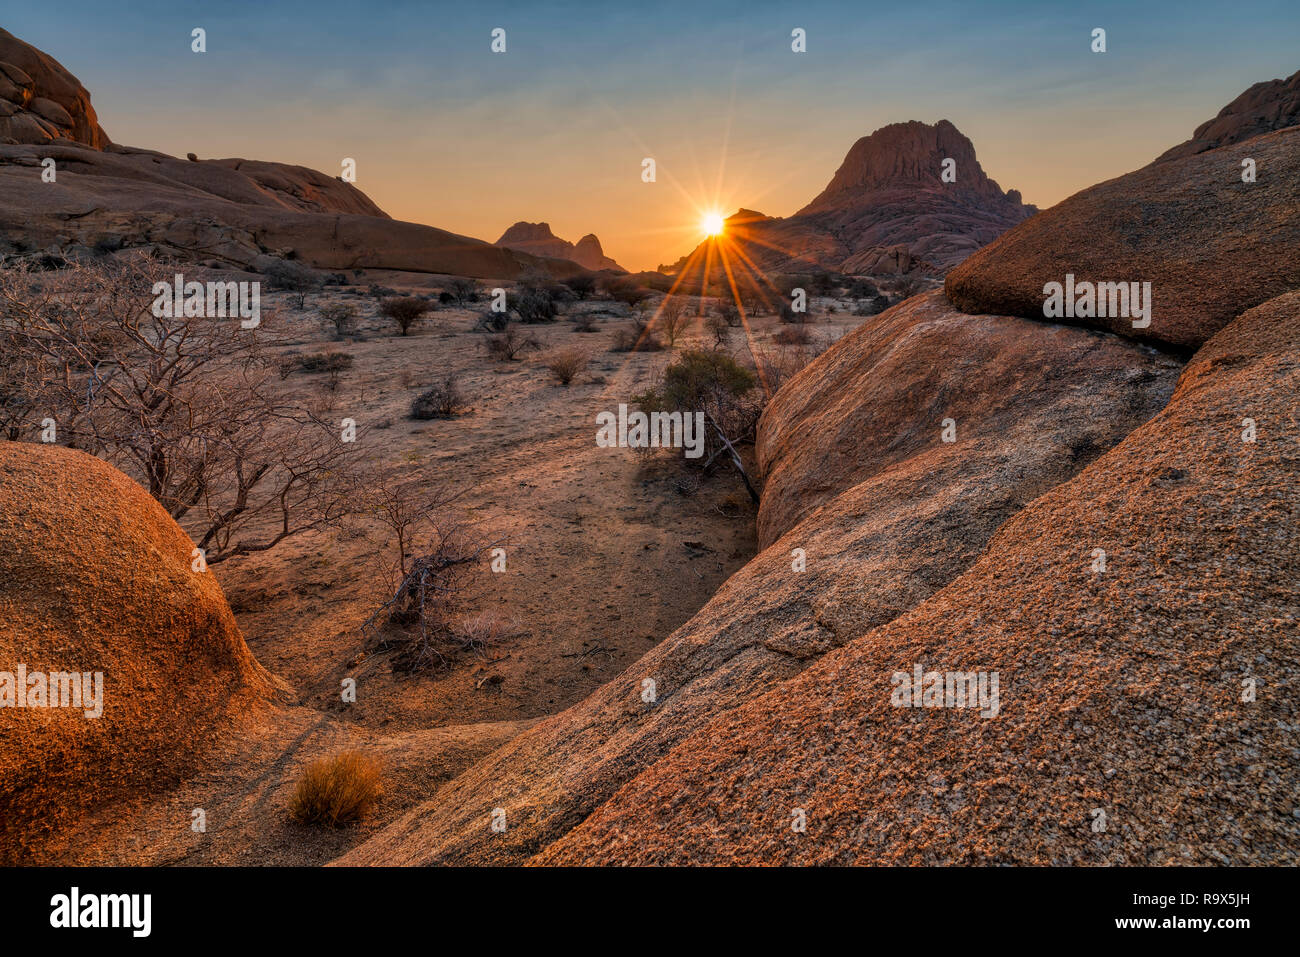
pixel 440 401
pixel 330 360
pixel 293 277
pixel 672 319
pixel 510 344
pixel 793 336
pixel 182 404
pixel 462 290
pixel 717 327
pixel 778 366
pixel 417 623
pixel 729 312
pixel 567 363
pixel 637 338
pixel 341 316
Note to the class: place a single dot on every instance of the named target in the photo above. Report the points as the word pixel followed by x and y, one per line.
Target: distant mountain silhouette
pixel 538 240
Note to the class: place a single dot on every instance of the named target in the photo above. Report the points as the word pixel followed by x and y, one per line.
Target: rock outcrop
pixel 1034 404
pixel 1147 712
pixel 1210 244
pixel 228 212
pixel 886 210
pixel 95 577
pixel 538 240
pixel 40 101
pixel 1265 107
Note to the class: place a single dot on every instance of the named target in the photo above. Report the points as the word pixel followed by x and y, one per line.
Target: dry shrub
pixel 638 338
pixel 717 327
pixel 508 345
pixel 338 790
pixel 567 363
pixel 328 361
pixel 416 624
pixel 183 405
pixel 672 320
pixel 342 316
pixel 793 336
pixel 778 366
pixel 440 401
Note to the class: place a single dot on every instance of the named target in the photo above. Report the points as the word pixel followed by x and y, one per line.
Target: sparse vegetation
pixel 729 313
pixel 417 625
pixel 673 319
pixel 461 290
pixel 534 304
pixel 440 401
pixel 337 791
pixel 567 363
pixel 625 290
pixel 792 336
pixel 709 382
pixel 184 405
pixel 507 346
pixel 403 310
pixel 716 326
pixel 330 360
pixel 341 316
pixel 293 277
pixel 637 338
pixel 583 284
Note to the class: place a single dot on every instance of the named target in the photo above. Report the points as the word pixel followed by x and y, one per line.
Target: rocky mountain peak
pixel 906 154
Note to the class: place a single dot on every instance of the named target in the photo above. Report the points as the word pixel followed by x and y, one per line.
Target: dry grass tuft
pixel 338 790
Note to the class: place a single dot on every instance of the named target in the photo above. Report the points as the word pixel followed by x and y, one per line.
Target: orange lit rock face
pixel 40 101
pixel 95 578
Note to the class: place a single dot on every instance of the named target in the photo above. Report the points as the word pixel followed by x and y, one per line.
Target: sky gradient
pixel 447 133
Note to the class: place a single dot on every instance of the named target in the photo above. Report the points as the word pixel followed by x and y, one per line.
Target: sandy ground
pixel 605 557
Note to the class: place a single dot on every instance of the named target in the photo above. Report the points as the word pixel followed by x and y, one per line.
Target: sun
pixel 713 224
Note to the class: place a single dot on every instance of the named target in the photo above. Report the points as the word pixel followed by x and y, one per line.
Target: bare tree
pixel 462 290
pixel 672 320
pixel 435 552
pixel 182 404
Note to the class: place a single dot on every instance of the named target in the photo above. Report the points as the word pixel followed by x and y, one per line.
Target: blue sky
pixel 447 133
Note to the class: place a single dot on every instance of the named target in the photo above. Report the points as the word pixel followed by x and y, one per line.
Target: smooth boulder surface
pixel 1210 244
pixel 1148 712
pixel 96 577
